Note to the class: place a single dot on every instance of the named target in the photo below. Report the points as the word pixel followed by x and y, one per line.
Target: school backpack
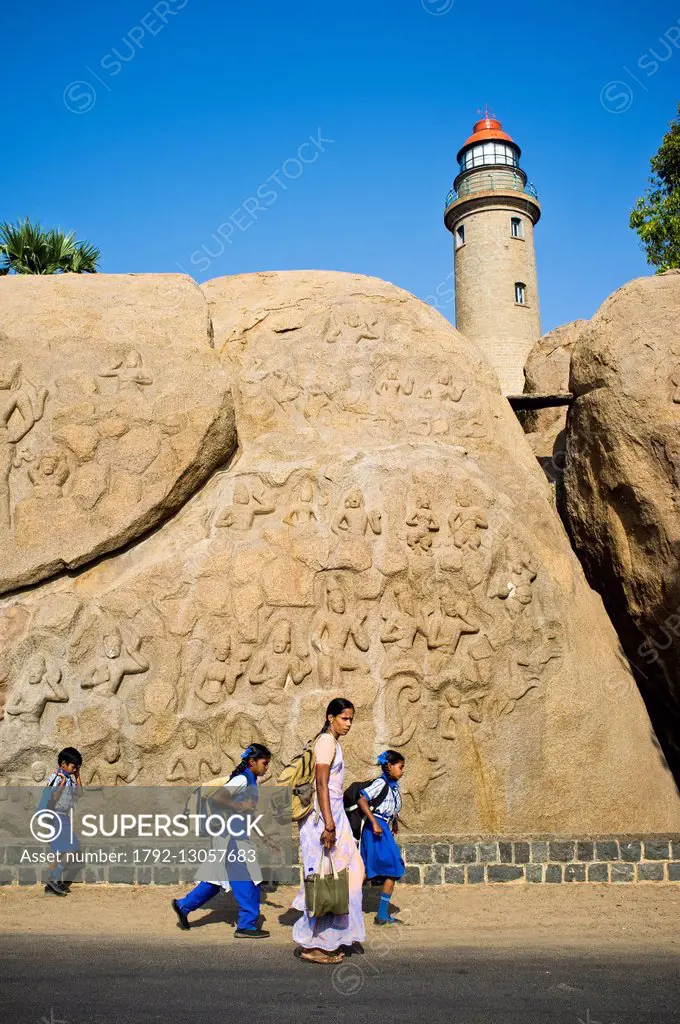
pixel 299 774
pixel 350 799
pixel 198 801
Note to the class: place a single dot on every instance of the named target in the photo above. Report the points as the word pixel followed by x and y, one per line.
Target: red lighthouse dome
pixel 488 129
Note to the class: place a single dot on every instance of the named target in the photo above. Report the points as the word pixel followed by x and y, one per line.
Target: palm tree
pixel 27 248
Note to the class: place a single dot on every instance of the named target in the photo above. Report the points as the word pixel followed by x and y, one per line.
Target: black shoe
pixel 251 933
pixel 181 916
pixel 53 887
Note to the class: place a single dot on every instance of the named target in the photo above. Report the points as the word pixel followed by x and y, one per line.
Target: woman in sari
pixel 326 828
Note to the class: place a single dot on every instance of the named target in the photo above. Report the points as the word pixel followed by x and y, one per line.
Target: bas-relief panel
pixel 351 369
pixel 89 442
pixel 401 584
pixel 378 534
pixel 423 604
pixel 99 438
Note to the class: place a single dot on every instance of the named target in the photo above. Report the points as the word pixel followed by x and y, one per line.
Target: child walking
pixel 244 882
pixel 379 850
pixel 67 779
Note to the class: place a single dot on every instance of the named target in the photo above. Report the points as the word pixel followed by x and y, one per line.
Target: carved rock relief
pixel 351 371
pixel 347 549
pixel 103 432
pixel 426 603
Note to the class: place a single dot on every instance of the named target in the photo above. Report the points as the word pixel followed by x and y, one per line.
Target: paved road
pixel 46 980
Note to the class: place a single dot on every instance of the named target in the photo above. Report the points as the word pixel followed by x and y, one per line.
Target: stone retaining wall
pixel 446 860
pixel 442 861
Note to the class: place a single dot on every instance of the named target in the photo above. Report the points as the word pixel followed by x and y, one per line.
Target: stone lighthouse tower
pixel 491 212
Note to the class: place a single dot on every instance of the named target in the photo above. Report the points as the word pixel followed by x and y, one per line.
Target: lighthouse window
pixel 460 236
pixel 488 153
pixel 516 227
pixel 520 293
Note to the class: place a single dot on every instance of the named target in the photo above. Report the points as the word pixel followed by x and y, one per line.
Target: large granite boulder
pixel 114 408
pixel 622 481
pixel 546 372
pixel 384 532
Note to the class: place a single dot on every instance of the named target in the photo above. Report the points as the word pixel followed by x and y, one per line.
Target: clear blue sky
pixel 214 98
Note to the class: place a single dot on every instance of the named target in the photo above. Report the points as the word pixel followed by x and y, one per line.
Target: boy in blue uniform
pixel 66 778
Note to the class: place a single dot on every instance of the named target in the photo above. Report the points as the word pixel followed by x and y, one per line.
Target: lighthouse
pixel 491 212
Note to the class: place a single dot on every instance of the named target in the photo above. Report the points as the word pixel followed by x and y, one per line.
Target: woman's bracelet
pixel 327 829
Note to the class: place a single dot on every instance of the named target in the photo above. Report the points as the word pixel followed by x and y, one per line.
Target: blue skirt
pixel 380 854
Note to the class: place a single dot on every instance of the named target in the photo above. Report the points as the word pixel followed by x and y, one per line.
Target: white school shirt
pixel 391 804
pixel 66 799
pixel 236 787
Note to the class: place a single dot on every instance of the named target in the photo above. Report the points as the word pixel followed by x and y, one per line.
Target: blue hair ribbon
pixel 382 759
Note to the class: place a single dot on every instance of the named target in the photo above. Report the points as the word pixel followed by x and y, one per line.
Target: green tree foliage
pixel 656 216
pixel 27 248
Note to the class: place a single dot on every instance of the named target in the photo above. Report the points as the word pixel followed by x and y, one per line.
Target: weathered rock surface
pixel 622 482
pixel 547 373
pixel 114 408
pixel 384 533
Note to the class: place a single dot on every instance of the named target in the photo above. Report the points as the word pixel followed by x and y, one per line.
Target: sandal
pixel 318 956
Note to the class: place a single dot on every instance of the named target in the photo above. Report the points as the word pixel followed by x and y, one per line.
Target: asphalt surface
pixel 67 980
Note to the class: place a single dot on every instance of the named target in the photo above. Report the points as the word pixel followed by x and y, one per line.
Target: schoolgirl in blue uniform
pixel 379 850
pixel 241 785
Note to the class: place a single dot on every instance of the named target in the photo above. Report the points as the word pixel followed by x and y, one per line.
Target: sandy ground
pixel 500 916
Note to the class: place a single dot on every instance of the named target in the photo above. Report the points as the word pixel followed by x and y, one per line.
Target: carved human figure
pixel 512 582
pixel 422 524
pixel 534 658
pixel 472 672
pixel 273 663
pixel 48 474
pixel 353 519
pixel 217 676
pixel 116 661
pixel 245 724
pixel 401 621
pixel 331 629
pixel 350 524
pixel 459 709
pixel 301 512
pixel 241 515
pixel 352 327
pixel 448 625
pixel 443 388
pixel 354 396
pixel 110 768
pixel 319 394
pixel 466 522
pixel 38 685
pixel 255 399
pixel 130 373
pixel 192 760
pixel 675 381
pixel 21 406
pixel 419 726
pixel 281 387
pixel 392 386
pixel 465 686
